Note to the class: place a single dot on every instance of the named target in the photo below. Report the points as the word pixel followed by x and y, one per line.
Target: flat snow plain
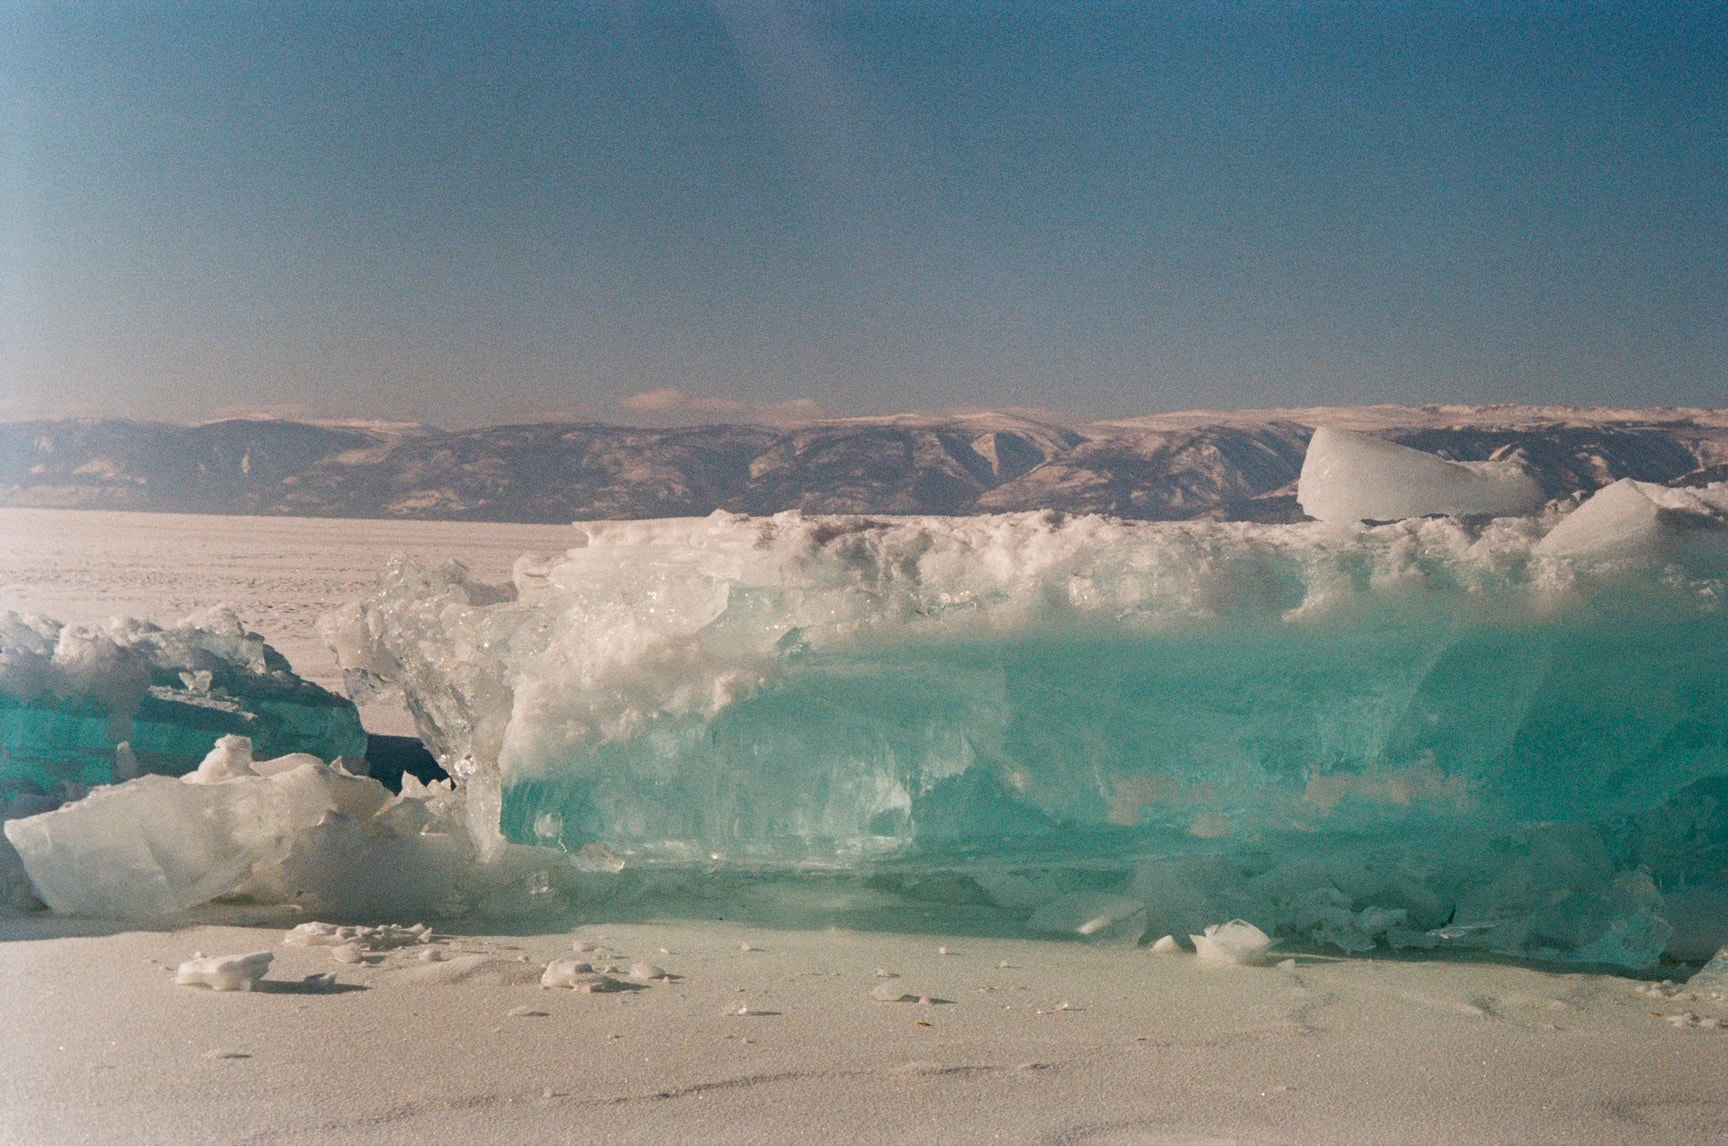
pixel 763 1035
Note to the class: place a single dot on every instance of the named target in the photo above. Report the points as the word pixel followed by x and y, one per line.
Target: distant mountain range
pixel 1229 465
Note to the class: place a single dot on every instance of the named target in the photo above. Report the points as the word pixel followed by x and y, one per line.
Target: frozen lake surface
pixel 280 573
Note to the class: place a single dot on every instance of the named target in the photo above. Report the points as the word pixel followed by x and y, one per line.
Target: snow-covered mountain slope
pixel 1232 464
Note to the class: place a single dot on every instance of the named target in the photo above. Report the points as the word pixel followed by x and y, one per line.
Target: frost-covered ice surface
pixel 1425 733
pixel 89 705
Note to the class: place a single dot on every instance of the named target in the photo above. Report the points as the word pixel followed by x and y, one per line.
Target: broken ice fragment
pixel 224 972
pixel 69 695
pixel 1238 942
pixel 1355 477
pixel 892 993
pixel 156 845
pixel 577 976
pixel 1712 978
pixel 230 759
pixel 1636 519
pixel 383 937
pixel 1098 917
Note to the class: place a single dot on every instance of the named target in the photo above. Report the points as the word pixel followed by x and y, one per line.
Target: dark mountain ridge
pixel 1231 465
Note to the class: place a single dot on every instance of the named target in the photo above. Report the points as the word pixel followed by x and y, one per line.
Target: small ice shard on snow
pixel 1095 916
pixel 524 1011
pixel 348 953
pixel 645 970
pixel 1355 477
pixel 1166 945
pixel 1237 942
pixel 890 993
pixel 577 976
pixel 384 937
pixel 224 972
pixel 320 980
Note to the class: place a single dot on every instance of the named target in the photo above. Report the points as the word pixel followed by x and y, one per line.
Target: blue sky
pixel 470 214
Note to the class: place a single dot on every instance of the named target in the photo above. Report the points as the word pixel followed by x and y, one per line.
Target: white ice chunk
pixel 1166 945
pixel 125 763
pixel 224 972
pixel 230 759
pixel 577 976
pixel 283 764
pixel 155 845
pixel 1235 942
pixel 1354 477
pixel 1629 518
pixel 149 847
pixel 384 937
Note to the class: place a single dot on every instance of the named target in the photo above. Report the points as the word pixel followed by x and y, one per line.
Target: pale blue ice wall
pixel 836 689
pixel 1420 712
pixel 1431 733
pixel 68 697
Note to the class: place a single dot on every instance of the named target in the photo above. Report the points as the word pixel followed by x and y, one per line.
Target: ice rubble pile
pixel 1262 703
pixel 89 706
pixel 291 829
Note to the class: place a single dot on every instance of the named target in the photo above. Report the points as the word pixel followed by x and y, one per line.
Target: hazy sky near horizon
pixel 479 213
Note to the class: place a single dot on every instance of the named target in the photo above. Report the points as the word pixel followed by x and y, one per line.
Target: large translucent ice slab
pixel 1348 476
pixel 1641 521
pixel 292 830
pixel 70 696
pixel 1291 724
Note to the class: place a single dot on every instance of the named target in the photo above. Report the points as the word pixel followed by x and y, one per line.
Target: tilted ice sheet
pixel 843 690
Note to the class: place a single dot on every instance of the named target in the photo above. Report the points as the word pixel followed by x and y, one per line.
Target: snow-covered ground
pixel 775 1036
